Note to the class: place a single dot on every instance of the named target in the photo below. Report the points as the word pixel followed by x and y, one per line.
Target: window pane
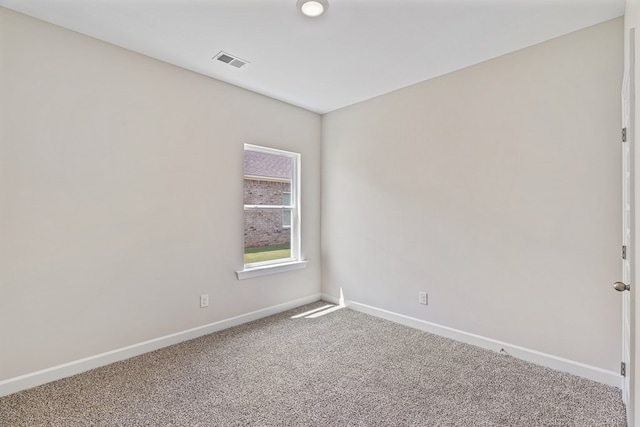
pixel 267 178
pixel 286 218
pixel 265 237
pixel 271 203
pixel 264 192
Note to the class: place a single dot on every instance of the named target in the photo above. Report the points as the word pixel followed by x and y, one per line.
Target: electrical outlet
pixel 423 298
pixel 204 300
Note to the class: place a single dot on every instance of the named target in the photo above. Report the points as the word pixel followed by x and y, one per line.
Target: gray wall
pixel 496 189
pixel 121 197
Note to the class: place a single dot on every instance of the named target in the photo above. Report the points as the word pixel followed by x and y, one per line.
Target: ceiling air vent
pixel 230 59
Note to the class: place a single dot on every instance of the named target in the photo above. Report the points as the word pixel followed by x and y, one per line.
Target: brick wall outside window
pixel 264 227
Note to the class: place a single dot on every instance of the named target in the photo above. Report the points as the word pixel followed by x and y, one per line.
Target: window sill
pixel 270 269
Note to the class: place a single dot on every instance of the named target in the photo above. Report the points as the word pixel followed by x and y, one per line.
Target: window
pixel 271 208
pixel 286 214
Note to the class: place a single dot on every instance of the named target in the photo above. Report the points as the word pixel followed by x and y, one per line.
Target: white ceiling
pixel 357 50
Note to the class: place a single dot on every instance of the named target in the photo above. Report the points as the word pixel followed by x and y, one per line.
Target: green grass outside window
pixel 266 253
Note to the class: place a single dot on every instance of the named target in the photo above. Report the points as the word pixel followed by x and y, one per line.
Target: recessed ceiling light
pixel 312 8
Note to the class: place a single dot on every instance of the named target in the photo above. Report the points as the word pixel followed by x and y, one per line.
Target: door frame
pixel 629 354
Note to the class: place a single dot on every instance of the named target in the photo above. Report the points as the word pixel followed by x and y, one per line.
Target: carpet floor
pixel 328 367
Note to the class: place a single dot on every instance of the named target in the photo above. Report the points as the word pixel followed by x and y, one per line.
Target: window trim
pixel 248 273
pixel 295 261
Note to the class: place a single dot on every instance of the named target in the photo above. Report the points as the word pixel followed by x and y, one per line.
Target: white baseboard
pixel 564 365
pixel 23 382
pixel 333 300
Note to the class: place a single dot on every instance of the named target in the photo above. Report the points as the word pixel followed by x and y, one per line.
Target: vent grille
pixel 230 59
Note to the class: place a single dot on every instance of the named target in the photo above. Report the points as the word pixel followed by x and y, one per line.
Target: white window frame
pixel 295 261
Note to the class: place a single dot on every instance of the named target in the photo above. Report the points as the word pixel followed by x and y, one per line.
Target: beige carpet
pixel 329 368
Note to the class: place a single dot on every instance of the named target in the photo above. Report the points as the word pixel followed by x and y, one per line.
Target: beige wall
pixel 496 189
pixel 121 196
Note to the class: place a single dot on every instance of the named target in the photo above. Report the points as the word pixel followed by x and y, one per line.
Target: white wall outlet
pixel 423 298
pixel 204 300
